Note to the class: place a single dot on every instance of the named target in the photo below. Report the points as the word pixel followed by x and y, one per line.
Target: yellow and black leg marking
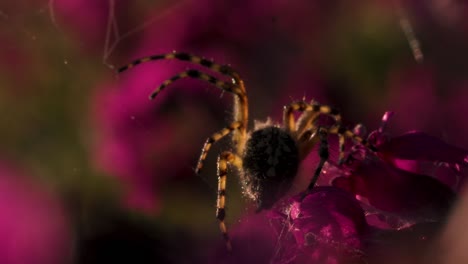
pixel 342 134
pixel 341 148
pixel 307 119
pixel 224 159
pixel 214 138
pixel 306 123
pixel 222 69
pixel 288 114
pixel 349 134
pixel 195 74
pixel 324 110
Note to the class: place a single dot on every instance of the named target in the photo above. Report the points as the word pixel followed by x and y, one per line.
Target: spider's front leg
pixel 196 74
pixel 224 159
pixel 322 134
pixel 306 126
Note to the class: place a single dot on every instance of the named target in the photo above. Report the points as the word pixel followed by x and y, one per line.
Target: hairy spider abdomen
pixel 270 163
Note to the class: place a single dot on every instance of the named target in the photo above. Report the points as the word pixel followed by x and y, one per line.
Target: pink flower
pixel 397 191
pixel 391 178
pixel 374 210
pixel 395 209
pixel 326 225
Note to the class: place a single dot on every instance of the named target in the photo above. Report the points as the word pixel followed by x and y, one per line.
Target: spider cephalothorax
pixel 267 157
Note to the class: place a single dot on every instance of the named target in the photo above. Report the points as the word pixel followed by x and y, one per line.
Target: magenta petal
pixel 420 146
pixel 390 189
pixel 452 175
pixel 327 225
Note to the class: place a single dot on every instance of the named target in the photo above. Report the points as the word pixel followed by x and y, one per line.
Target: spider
pixel 268 156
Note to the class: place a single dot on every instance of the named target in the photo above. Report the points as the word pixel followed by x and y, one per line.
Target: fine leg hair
pixel 213 139
pixel 224 159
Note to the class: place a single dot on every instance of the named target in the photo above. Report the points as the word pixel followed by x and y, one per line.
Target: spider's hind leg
pixel 213 139
pixel 224 159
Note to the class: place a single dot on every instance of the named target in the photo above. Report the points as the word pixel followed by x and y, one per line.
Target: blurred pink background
pixel 92 171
